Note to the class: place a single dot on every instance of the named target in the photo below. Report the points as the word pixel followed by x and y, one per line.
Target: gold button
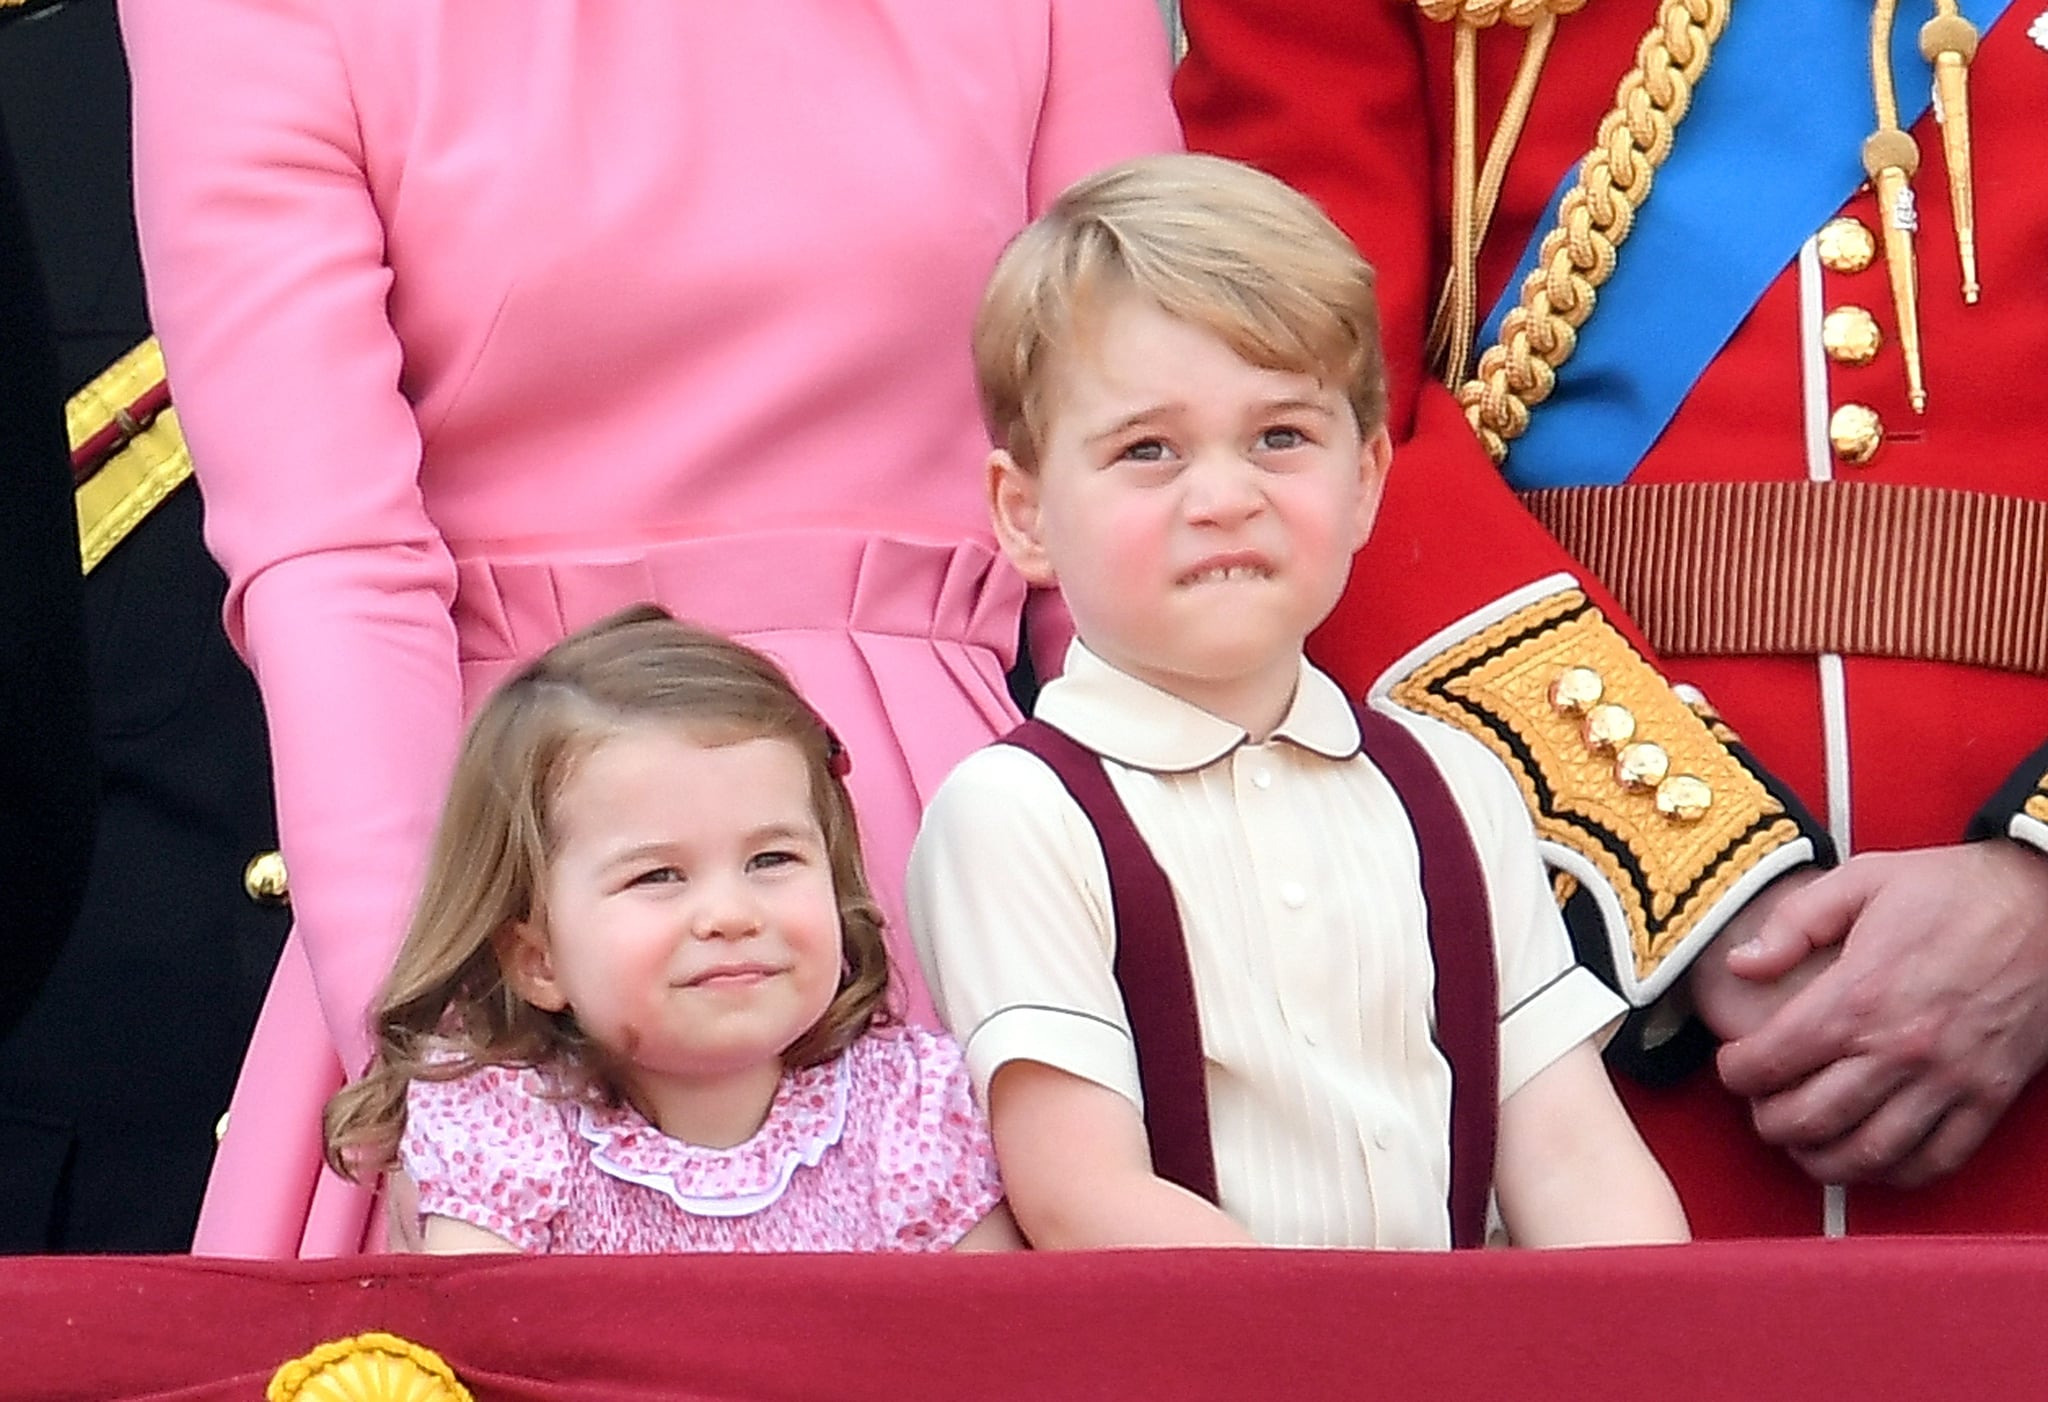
pixel 265 881
pixel 1609 727
pixel 1856 433
pixel 1641 765
pixel 1575 689
pixel 1684 798
pixel 1845 246
pixel 1850 336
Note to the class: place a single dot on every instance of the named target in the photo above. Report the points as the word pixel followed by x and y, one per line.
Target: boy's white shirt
pixel 1294 866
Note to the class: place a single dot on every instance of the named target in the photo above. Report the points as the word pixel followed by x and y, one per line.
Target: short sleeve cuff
pixel 1572 1008
pixel 1074 1042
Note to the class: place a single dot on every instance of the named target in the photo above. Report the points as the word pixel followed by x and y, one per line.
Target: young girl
pixel 640 1006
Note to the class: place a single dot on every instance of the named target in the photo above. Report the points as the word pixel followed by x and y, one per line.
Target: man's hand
pixel 1895 1062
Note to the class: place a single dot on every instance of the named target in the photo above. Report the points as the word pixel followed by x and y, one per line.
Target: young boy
pixel 1180 363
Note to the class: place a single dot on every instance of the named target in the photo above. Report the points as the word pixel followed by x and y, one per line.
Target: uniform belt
pixel 1800 568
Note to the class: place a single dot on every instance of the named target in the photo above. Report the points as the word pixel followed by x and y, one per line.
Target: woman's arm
pixel 1571 1169
pixel 1106 93
pixel 264 252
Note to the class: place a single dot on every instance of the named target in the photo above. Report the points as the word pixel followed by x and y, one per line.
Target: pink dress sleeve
pixel 1106 93
pixel 486 1149
pixel 935 1165
pixel 264 254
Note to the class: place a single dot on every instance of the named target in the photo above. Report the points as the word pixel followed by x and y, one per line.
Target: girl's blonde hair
pixel 447 1009
pixel 1210 241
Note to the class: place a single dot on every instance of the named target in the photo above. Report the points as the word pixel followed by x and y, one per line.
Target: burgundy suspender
pixel 1461 947
pixel 1151 965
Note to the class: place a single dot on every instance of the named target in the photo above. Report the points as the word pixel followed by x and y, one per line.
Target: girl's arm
pixel 1571 1169
pixel 451 1236
pixel 1079 1171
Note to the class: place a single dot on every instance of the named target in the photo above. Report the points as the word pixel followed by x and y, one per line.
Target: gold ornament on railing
pixel 367 1368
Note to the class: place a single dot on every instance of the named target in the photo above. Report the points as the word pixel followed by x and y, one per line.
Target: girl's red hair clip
pixel 836 757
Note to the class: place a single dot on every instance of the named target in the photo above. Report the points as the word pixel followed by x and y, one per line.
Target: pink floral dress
pixel 881 1149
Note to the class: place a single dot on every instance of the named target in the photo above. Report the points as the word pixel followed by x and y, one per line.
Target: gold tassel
pixel 1949 42
pixel 1890 157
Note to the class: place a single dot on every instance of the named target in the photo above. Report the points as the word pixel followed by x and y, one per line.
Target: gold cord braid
pixel 1484 14
pixel 1473 194
pixel 1578 256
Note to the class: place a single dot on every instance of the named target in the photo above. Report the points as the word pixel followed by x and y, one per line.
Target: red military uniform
pixel 1932 709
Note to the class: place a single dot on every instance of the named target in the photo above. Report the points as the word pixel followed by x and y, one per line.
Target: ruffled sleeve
pixel 935 1165
pixel 489 1150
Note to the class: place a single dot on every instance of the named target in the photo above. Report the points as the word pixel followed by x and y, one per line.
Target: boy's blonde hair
pixel 1210 241
pixel 447 1008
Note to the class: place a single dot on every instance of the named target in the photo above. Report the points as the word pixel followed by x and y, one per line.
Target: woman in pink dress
pixel 485 320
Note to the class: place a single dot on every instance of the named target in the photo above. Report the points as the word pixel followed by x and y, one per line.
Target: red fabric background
pixel 1869 1319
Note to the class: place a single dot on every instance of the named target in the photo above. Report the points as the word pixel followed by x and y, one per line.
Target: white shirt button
pixel 1382 1137
pixel 1293 895
pixel 1262 778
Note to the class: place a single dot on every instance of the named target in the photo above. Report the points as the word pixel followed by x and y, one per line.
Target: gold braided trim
pixel 149 467
pixel 1667 873
pixel 1864 569
pixel 1578 256
pixel 1709 717
pixel 1563 886
pixel 2037 807
pixel 1484 14
pixel 367 1368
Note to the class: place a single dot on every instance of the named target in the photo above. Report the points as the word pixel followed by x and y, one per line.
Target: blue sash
pixel 1771 148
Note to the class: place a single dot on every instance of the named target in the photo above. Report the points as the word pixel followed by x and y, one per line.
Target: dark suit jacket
pixel 112 1081
pixel 46 788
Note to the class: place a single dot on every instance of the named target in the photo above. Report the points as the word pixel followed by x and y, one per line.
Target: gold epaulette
pixel 127 452
pixel 1635 792
pixel 2036 806
pixel 17 9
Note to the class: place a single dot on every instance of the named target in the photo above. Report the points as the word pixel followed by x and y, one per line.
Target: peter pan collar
pixel 1137 724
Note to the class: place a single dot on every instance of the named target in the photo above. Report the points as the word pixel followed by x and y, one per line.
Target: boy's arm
pixel 1571 1169
pixel 1078 1168
pixel 995 1232
pixel 1009 905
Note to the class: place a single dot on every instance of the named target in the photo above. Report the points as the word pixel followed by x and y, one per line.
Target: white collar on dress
pixel 806 1118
